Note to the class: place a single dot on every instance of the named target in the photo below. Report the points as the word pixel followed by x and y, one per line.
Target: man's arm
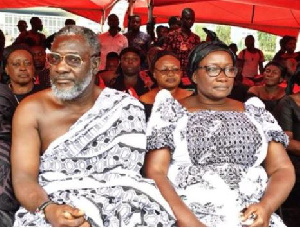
pixel 25 161
pixel 25 157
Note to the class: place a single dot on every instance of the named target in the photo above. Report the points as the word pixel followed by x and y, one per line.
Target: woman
pixel 270 93
pixel 165 67
pixel 18 65
pixel 215 160
pixel 288 116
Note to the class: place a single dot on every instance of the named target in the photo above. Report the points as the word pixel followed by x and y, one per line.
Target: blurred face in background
pixel 20 67
pixel 130 63
pixel 167 72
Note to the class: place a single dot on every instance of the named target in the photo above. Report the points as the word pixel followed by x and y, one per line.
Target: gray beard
pixel 75 91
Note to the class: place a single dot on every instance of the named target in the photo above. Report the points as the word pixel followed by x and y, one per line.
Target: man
pixel 174 23
pixel 42 72
pixel 182 41
pixel 112 40
pixel 136 38
pixel 22 27
pixel 33 36
pixel 249 61
pixel 82 165
pixel 162 33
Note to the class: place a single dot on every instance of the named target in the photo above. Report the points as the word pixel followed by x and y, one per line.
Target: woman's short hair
pixel 202 50
pixel 130 49
pixel 158 55
pixel 282 69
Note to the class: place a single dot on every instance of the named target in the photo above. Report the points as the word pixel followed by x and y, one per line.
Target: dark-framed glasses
pixel 73 60
pixel 167 71
pixel 214 71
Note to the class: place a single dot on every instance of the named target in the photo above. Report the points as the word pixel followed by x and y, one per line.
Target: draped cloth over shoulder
pixel 216 156
pixel 95 167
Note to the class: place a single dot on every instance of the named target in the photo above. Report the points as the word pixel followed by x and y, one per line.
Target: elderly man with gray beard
pixel 77 150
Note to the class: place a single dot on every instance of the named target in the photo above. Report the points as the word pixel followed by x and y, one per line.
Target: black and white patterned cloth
pixel 216 164
pixel 95 167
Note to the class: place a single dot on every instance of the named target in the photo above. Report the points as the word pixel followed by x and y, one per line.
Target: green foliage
pixel 267 43
pixel 224 33
pixel 199 31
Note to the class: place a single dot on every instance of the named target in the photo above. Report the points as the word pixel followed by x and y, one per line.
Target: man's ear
pixel 95 64
pixel 194 78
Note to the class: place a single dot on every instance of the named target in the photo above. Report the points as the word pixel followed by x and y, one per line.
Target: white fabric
pixel 95 166
pixel 216 163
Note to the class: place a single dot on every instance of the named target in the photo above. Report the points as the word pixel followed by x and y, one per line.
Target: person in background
pixel 250 60
pixel 182 41
pixel 174 23
pixel 107 76
pixel 233 47
pixel 112 40
pixel 82 165
pixel 128 79
pixel 8 203
pixel 22 27
pixel 165 67
pixel 136 38
pixel 162 33
pixel 282 49
pixel 42 72
pixel 217 161
pixel 33 36
pixel 18 65
pixel 287 113
pixel 271 92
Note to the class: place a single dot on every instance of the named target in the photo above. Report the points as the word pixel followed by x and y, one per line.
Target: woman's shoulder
pixel 149 97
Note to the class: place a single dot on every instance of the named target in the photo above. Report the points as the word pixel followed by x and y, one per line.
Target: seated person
pixel 270 93
pixel 8 204
pixel 166 70
pixel 82 165
pixel 129 79
pixel 217 161
pixel 19 67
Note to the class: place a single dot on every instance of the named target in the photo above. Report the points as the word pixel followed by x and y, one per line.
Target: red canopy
pixel 279 17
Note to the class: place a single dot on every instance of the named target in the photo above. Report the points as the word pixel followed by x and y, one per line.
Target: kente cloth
pixel 216 156
pixel 95 167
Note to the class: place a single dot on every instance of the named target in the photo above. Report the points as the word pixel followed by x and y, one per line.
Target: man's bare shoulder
pixel 35 103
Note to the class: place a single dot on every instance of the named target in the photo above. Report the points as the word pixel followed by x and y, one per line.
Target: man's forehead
pixel 73 43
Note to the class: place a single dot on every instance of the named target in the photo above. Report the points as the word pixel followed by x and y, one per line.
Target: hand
pixel 65 215
pixel 261 215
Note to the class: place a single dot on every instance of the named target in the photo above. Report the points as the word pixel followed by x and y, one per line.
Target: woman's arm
pixel 156 167
pixel 281 181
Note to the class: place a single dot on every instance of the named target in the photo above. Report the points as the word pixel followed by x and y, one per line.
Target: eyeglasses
pixel 214 71
pixel 72 60
pixel 167 71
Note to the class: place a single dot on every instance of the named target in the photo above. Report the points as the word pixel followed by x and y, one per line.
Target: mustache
pixel 62 77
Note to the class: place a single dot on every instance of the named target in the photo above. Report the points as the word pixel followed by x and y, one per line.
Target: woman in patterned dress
pixel 215 160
